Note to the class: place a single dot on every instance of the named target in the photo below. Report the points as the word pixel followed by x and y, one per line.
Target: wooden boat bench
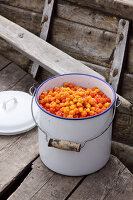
pixel 23 176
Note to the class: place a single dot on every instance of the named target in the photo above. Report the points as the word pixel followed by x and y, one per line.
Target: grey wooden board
pixel 10 76
pixel 86 16
pixel 7 51
pixel 111 181
pixel 16 152
pixel 45 23
pixel 123 8
pixel 36 5
pixel 83 42
pixel 124 153
pixel 3 62
pixel 117 64
pixel 114 181
pixel 49 57
pixel 42 183
pixel 28 19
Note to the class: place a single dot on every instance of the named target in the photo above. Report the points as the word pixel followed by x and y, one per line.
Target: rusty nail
pixel 49 1
pixel 123 23
pixel 45 18
pixel 115 72
pixel 121 37
pixel 21 35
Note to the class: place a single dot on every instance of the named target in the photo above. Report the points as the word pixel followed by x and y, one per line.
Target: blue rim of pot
pixel 83 118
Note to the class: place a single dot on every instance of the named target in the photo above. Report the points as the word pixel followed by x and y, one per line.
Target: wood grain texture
pixel 43 183
pixel 119 53
pixel 86 16
pixel 10 76
pixel 53 59
pixel 16 152
pixel 127 87
pixel 83 42
pixel 3 62
pixel 123 8
pixel 130 54
pixel 114 181
pixel 10 53
pixel 123 128
pixel 33 5
pixel 29 20
pixel 124 153
pixel 111 181
pixel 45 24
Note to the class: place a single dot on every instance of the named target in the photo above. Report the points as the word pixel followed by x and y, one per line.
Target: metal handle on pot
pixel 64 144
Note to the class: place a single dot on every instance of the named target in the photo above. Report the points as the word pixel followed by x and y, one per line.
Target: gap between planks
pixel 13 148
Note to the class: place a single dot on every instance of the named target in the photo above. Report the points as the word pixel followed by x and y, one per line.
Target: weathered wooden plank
pixel 3 62
pixel 43 183
pixel 16 156
pixel 123 128
pixel 16 152
pixel 10 76
pixel 104 71
pixel 29 20
pixel 127 87
pixel 119 52
pixel 130 55
pixel 123 123
pixel 124 153
pixel 40 51
pixel 86 16
pixel 123 8
pixel 91 45
pixel 114 181
pixel 10 53
pixel 33 5
pixel 45 23
pixel 126 107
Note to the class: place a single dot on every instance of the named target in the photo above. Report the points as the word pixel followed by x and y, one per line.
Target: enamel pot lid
pixel 15 113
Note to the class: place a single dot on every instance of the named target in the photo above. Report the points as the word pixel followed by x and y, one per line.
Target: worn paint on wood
pixel 40 51
pixel 113 180
pixel 119 53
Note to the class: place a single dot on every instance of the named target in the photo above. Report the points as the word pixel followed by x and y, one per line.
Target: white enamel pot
pixel 92 134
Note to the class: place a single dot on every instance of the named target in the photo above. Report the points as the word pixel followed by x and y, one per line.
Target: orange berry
pixel 70 116
pixel 107 105
pixel 79 104
pixel 71 112
pixel 72 107
pixel 84 114
pixel 88 110
pixel 80 109
pixel 92 108
pixel 71 103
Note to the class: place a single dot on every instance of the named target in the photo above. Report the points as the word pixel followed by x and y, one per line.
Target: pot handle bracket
pixel 64 144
